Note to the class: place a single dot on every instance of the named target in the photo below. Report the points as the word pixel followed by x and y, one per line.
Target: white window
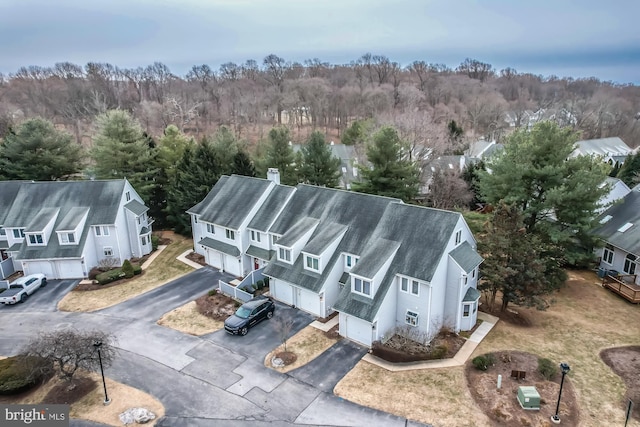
pixel 284 255
pixel 138 220
pixel 102 230
pixel 361 286
pixel 143 240
pixel 98 231
pixel 465 279
pixel 2 232
pixel 630 264
pixel 105 230
pixel 107 250
pixel 195 219
pixel 255 236
pixel 607 255
pixel 67 238
pixel 18 233
pixel 231 235
pixel 36 239
pixel 411 318
pixel 410 286
pixel 473 273
pixel 274 239
pixel 127 195
pixel 210 229
pixel 355 172
pixel 465 310
pixel 312 263
pixel 458 237
pixel 350 261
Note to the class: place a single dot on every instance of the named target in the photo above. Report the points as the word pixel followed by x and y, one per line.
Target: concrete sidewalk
pixel 183 258
pixel 488 322
pixel 153 256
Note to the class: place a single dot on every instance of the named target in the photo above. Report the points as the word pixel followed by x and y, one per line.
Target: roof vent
pixel 606 219
pixel 625 227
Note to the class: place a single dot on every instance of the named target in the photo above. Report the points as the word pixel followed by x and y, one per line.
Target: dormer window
pixel 36 240
pixel 350 261
pixel 361 286
pixel 18 233
pixel 284 255
pixel 67 238
pixel 312 263
pixel 2 232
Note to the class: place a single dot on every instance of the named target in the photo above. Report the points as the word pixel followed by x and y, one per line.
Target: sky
pixel 572 38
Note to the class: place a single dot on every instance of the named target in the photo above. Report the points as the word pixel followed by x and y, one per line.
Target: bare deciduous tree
pixel 283 325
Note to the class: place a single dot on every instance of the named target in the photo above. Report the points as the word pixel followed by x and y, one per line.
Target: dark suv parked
pixel 249 314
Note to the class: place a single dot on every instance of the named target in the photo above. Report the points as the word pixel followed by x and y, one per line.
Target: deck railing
pixel 624 285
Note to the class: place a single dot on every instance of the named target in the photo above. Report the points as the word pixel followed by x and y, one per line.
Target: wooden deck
pixel 623 285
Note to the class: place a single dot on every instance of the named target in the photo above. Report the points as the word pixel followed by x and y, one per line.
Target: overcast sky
pixel 577 38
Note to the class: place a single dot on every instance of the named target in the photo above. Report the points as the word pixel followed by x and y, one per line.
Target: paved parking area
pixel 44 299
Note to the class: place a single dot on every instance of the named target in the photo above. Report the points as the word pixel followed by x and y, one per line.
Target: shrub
pixel 155 241
pixel 212 292
pixel 260 284
pixel 109 276
pixel 137 269
pixel 266 282
pixel 127 269
pixel 547 368
pixel 484 361
pixel 93 273
pixel 20 373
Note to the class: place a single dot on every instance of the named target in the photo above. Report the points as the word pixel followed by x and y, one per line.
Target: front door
pixel 256 263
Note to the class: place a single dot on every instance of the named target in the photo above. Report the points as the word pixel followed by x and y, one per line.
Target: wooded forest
pixel 420 99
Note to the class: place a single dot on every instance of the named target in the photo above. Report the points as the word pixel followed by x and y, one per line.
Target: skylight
pixel 606 219
pixel 625 227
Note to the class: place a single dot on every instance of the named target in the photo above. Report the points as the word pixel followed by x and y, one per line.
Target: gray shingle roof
pixel 72 219
pixel 261 253
pixel 102 198
pixel 322 240
pixel 8 192
pixel 374 257
pixel 4 244
pixel 612 146
pixel 359 213
pixel 423 234
pixel 626 211
pixel 136 207
pixel 466 257
pixel 471 295
pixel 294 234
pixel 220 246
pixel 270 208
pixel 231 200
pixel 42 218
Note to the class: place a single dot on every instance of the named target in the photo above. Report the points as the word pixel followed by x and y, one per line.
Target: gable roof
pixel 229 202
pixel 99 199
pixel 72 219
pixel 357 213
pixel 466 257
pixel 271 207
pixel 627 211
pixel 8 192
pixel 423 234
pixel 42 218
pixel 605 147
pixel 136 207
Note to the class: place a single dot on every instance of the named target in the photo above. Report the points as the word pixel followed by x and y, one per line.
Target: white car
pixel 21 288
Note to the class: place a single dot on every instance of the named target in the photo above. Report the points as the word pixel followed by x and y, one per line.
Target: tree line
pixel 250 97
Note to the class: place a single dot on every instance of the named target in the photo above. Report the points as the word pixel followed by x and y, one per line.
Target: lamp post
pixel 97 345
pixel 565 369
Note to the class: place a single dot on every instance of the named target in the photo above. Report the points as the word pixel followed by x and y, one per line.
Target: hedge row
pixel 19 373
pixel 115 274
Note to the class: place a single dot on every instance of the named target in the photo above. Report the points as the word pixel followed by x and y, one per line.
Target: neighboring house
pixel 378 262
pixel 618 190
pixel 482 149
pixel 612 150
pixel 348 162
pixel 63 229
pixel 455 164
pixel 620 230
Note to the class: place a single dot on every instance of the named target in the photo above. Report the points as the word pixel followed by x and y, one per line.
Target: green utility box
pixel 528 397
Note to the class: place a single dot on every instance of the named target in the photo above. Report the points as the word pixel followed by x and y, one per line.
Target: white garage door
pixel 308 301
pixel 232 265
pixel 213 259
pixel 358 330
pixel 44 267
pixel 282 291
pixel 71 269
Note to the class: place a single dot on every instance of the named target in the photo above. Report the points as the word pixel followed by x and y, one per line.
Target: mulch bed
pixel 93 287
pixel 403 350
pixel 197 258
pixel 326 319
pixel 61 394
pixel 625 362
pixel 501 405
pixel 287 357
pixel 217 306
pixel 333 333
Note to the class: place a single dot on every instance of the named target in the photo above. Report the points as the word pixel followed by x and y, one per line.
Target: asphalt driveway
pixel 44 299
pixel 263 337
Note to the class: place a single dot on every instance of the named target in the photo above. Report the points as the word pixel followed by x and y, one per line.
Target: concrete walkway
pixel 324 327
pixel 153 256
pixel 488 322
pixel 183 258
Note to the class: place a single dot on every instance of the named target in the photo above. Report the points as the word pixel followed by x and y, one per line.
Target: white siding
pixel 386 321
pixel 331 287
pixel 420 304
pixel 307 301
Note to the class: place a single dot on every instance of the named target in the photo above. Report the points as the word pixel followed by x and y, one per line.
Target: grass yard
pixel 307 344
pixel 188 320
pixel 583 320
pixel 163 269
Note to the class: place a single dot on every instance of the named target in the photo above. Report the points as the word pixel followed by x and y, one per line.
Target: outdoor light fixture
pixel 565 369
pixel 97 345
